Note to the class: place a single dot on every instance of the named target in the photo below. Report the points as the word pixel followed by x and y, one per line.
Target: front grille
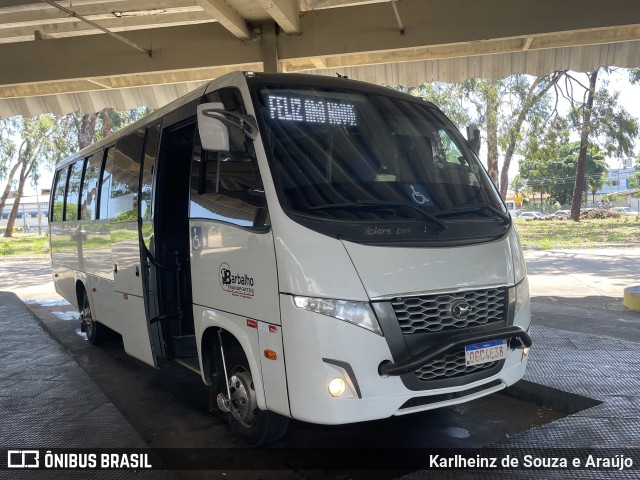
pixel 433 313
pixel 420 401
pixel 450 365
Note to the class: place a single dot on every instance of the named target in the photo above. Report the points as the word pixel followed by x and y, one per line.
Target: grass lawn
pixel 549 234
pixel 545 235
pixel 24 246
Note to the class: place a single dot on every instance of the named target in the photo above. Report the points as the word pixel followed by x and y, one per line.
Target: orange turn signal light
pixel 270 354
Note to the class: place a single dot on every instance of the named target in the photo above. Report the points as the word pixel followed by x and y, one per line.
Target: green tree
pixel 541 149
pixel 596 115
pixel 91 127
pixel 553 171
pixel 449 97
pixel 44 139
pixel 503 108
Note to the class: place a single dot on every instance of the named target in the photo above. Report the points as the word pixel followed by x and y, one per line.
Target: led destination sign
pixel 298 109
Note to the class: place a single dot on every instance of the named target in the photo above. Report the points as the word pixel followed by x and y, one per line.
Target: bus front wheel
pixel 253 426
pixel 94 330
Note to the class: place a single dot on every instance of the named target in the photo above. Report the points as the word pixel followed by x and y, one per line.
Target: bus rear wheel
pixel 94 330
pixel 253 426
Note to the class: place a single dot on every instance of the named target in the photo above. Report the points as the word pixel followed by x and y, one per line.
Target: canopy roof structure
pixel 64 55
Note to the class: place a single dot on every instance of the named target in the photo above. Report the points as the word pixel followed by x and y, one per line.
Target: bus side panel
pixel 61 254
pixel 136 335
pixel 234 269
pixel 128 291
pixel 64 283
pixel 96 249
pixel 274 375
pixel 106 304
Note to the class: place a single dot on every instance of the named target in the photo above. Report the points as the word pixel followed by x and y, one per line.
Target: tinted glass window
pixel 123 204
pixel 105 184
pixel 90 182
pixel 150 150
pixel 227 189
pixel 58 196
pixel 73 191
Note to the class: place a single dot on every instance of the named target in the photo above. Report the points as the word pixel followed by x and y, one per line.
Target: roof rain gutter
pixel 99 27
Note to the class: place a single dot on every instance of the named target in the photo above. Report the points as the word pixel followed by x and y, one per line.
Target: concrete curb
pixel 632 298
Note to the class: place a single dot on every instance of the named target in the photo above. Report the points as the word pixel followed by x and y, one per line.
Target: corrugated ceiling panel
pixel 538 62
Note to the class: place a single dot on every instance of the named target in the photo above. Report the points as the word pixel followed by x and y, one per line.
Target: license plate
pixel 486 352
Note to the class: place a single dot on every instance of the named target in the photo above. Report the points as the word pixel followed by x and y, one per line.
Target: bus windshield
pixel 345 161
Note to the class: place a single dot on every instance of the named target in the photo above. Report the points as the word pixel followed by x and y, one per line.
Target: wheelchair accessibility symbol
pixel 196 238
pixel 418 194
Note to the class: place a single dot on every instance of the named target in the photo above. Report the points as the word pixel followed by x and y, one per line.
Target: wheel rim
pixel 86 317
pixel 243 403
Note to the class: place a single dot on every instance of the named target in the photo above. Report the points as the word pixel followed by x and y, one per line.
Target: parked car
pixel 560 214
pixel 532 216
pixel 624 210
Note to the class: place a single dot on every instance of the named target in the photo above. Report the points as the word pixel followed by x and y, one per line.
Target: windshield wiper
pixel 369 204
pixel 475 209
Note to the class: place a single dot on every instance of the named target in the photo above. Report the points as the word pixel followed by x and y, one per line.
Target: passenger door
pixel 130 197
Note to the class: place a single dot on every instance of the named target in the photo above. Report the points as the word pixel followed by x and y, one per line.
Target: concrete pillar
pixel 269 46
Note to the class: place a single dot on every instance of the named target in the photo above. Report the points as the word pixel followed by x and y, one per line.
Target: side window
pixel 73 191
pixel 105 183
pixel 227 190
pixel 150 150
pixel 89 197
pixel 227 186
pixel 451 151
pixel 57 210
pixel 125 183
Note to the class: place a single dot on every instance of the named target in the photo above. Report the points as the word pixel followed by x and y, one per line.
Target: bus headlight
pixel 358 313
pixel 337 387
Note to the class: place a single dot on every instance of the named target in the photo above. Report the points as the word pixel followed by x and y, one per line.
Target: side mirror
pixel 473 137
pixel 214 134
pixel 214 122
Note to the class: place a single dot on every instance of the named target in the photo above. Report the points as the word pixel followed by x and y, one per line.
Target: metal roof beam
pixel 71 27
pixel 286 13
pixel 227 16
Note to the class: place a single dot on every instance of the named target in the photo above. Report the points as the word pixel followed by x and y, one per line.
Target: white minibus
pixel 315 248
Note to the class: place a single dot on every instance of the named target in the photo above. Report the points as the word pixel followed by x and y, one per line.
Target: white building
pixel 32 214
pixel 617 181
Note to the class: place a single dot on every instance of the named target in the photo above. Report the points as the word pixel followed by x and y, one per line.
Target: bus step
pixel 184 346
pixel 190 363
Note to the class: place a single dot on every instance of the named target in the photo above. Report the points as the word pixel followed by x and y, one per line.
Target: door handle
pixel 115 268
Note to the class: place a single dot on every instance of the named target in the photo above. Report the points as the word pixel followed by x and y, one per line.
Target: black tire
pixel 95 331
pixel 253 426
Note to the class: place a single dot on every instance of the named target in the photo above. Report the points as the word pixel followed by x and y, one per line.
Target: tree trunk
pixel 25 171
pixel 106 121
pixel 584 143
pixel 86 134
pixel 7 188
pixel 492 137
pixel 14 210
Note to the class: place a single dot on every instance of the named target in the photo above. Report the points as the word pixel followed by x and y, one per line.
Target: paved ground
pixel 582 290
pixel 585 343
pixel 572 292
